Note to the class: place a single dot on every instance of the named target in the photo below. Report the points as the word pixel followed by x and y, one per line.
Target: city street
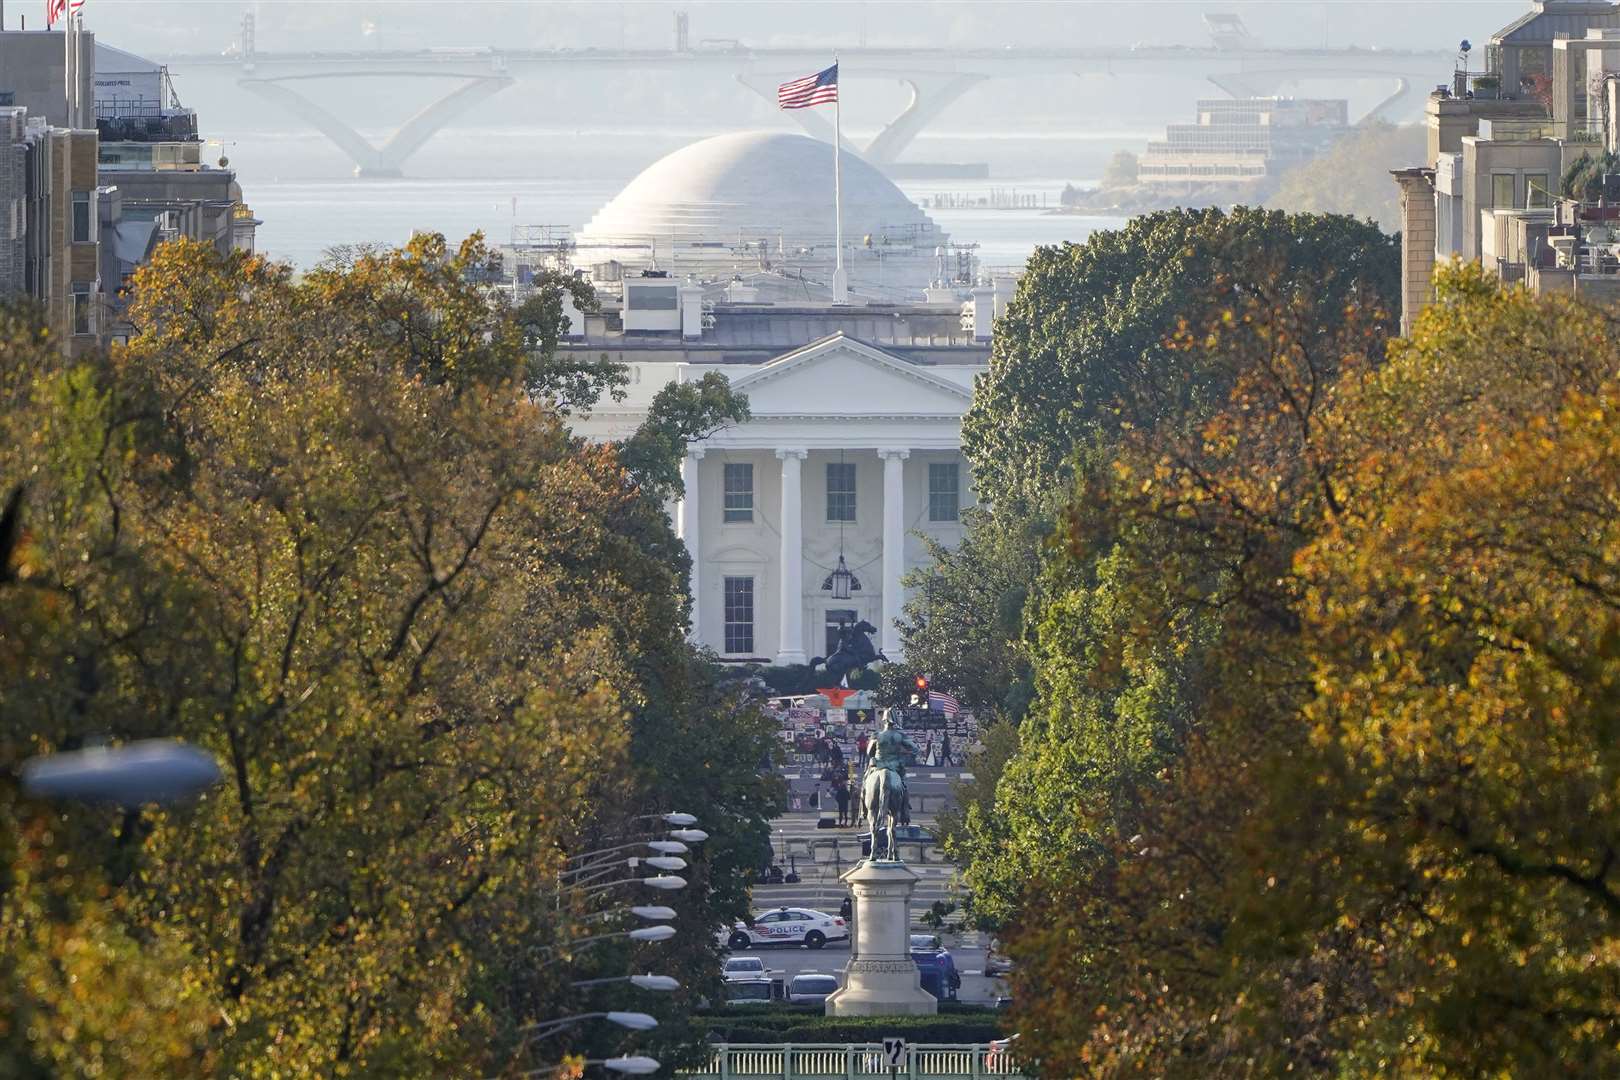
pixel 977 989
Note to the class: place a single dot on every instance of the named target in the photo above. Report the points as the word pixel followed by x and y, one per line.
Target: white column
pixel 894 546
pixel 688 524
pixel 790 642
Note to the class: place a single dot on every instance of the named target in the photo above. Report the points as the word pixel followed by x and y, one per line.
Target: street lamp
pixel 666 882
pixel 691 836
pixel 661 932
pixel 652 912
pixel 658 847
pixel 661 983
pixel 635 1021
pixel 598 869
pixel 680 819
pixel 630 1065
pixel 131 775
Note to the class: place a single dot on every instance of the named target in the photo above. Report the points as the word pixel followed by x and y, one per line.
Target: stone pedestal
pixel 881 978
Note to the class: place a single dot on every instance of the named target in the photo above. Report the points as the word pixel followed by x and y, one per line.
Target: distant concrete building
pixel 1239 140
pixel 82 207
pixel 32 73
pixel 50 224
pixel 1500 143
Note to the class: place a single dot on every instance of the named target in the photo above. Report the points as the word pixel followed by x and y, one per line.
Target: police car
pixel 787 926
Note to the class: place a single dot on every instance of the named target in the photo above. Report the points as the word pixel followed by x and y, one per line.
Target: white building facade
pixel 850 450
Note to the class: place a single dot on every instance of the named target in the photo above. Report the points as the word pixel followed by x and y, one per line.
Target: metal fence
pixel 828 1061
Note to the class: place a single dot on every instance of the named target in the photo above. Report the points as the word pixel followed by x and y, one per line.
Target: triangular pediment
pixel 840 376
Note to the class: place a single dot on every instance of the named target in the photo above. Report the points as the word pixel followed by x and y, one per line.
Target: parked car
pixel 744 968
pixel 936 967
pixel 787 926
pixel 811 989
pixel 749 992
pixel 905 834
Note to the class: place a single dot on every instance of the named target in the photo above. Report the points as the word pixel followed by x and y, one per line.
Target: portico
pixel 849 451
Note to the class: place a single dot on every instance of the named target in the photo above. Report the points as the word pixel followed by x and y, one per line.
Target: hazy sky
pixel 161 26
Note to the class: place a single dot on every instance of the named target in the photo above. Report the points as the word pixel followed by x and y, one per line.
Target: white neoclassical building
pixel 852 451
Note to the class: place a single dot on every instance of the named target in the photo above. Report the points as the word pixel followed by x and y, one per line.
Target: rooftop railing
pixel 849 1061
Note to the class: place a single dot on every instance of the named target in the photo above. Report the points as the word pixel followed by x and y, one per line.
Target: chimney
pixel 984 311
pixel 691 310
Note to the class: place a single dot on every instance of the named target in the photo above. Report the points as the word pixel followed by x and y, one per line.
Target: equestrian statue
pixel 855 651
pixel 883 788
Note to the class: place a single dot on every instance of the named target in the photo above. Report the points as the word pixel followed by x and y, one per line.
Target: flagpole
pixel 67 66
pixel 840 287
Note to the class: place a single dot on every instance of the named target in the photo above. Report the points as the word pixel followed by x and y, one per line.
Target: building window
pixel 83 218
pixel 739 614
pixel 1502 190
pixel 739 478
pixel 84 315
pixel 836 619
pixel 944 491
pixel 840 491
pixel 1535 190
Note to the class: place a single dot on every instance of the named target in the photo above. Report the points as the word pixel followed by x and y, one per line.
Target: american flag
pixel 945 703
pixel 818 89
pixel 54 9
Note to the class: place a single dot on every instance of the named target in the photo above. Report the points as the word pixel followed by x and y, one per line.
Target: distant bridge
pixel 936 78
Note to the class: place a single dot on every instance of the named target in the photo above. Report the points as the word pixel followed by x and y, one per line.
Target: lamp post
pixel 682 820
pixel 635 1021
pixel 661 932
pixel 596 869
pixel 628 1065
pixel 660 983
pixel 665 882
pixel 131 775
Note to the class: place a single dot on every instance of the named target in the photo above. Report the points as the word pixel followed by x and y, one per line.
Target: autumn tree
pixel 326 529
pixel 1081 358
pixel 1382 846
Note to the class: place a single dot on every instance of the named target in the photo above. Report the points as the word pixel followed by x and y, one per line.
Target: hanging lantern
pixel 841 580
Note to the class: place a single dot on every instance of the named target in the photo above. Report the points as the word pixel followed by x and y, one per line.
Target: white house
pixel 852 451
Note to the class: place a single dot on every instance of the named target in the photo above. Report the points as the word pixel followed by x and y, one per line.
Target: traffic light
pixel 922 686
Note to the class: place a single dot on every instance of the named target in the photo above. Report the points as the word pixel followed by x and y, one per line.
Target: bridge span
pixel 935 78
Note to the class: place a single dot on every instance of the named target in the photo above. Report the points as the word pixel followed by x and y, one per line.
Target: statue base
pixel 881 978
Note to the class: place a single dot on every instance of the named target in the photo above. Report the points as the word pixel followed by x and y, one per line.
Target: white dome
pixel 754 186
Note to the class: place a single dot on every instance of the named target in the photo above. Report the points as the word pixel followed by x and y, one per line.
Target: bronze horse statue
pixel 883 788
pixel 855 651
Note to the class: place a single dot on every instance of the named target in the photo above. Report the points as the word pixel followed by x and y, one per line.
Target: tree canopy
pixel 1372 832
pixel 334 531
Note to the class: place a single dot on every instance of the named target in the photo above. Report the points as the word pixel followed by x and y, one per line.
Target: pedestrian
pixel 842 794
pixel 945 751
pixel 847 908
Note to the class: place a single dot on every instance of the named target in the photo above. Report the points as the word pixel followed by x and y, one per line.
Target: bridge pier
pixel 1402 100
pixel 387 160
pixel 931 94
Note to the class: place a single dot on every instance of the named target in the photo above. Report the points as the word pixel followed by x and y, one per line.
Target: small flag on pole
pixel 75 5
pixel 818 89
pixel 944 702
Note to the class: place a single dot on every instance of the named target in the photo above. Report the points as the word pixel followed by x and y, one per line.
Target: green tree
pixel 1080 353
pixel 1382 844
pixel 316 527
